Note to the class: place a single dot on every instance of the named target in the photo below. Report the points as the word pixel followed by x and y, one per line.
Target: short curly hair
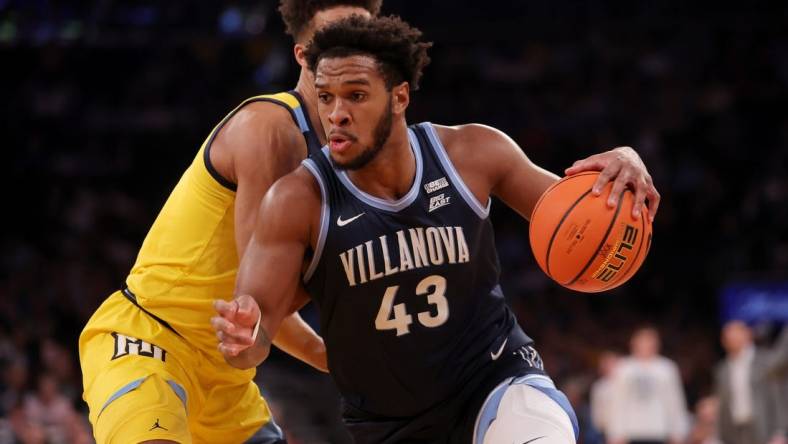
pixel 298 13
pixel 397 46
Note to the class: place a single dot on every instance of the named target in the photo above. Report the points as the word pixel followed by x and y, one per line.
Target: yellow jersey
pixel 189 256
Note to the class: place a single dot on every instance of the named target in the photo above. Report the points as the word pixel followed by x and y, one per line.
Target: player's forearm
pixel 254 355
pixel 298 339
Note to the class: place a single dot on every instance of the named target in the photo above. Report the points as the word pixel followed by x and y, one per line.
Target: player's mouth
pixel 339 142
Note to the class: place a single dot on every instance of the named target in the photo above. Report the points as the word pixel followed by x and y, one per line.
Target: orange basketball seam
pixel 558 227
pixel 541 198
pixel 604 238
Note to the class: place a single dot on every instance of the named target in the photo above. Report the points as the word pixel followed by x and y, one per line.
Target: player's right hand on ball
pixel 235 324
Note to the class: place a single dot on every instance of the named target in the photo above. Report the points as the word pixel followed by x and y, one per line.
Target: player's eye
pixel 358 96
pixel 324 97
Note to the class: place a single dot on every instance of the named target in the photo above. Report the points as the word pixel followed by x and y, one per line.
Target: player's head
pixel 645 342
pixel 364 70
pixel 736 336
pixel 303 17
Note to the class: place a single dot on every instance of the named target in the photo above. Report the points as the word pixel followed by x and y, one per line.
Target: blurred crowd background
pixel 106 102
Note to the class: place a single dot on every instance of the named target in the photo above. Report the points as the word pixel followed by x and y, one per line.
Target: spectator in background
pixel 647 397
pixel 601 392
pixel 576 391
pixel 22 429
pixel 779 365
pixel 704 427
pixel 779 372
pixel 750 410
pixel 50 410
pixel 14 384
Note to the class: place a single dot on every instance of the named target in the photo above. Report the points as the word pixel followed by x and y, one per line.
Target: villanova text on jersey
pixel 417 248
pixel 411 311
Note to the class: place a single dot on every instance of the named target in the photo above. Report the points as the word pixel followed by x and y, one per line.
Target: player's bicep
pixel 519 182
pixel 270 269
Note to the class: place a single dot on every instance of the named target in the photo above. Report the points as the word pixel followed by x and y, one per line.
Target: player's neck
pixel 306 87
pixel 391 173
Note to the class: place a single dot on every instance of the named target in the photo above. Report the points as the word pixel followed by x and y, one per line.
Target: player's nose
pixel 339 115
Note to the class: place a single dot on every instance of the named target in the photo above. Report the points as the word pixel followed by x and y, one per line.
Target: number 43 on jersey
pixel 396 317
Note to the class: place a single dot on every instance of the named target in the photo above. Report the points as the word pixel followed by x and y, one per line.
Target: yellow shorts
pixel 142 382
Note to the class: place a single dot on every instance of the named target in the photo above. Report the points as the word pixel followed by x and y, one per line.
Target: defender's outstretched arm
pixel 270 271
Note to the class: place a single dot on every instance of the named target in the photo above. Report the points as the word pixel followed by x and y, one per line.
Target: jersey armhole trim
pixel 212 171
pixel 482 211
pixel 310 165
pixel 207 152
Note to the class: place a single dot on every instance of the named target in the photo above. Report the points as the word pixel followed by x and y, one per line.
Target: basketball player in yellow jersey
pixel 151 369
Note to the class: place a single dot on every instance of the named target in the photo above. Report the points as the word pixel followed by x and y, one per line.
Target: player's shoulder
pixel 467 139
pixel 297 189
pixel 292 205
pixel 469 134
pixel 259 120
pixel 476 148
pixel 256 137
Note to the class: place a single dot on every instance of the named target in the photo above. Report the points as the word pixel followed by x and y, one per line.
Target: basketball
pixel 581 242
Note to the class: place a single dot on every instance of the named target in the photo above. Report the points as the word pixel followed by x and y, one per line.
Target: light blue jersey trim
pixel 548 388
pixel 489 411
pixel 383 204
pixel 540 382
pixel 179 390
pixel 324 216
pixel 466 194
pixel 301 118
pixel 135 384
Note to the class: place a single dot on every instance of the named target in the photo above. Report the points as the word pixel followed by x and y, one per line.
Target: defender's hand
pixel 626 168
pixel 235 324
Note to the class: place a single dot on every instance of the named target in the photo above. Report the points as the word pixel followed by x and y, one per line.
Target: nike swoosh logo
pixel 532 440
pixel 342 223
pixel 497 355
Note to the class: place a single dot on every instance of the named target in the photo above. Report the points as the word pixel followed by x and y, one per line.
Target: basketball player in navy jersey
pixel 388 227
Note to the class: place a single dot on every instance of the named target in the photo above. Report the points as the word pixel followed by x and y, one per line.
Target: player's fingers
pixel 248 310
pixel 244 339
pixel 619 185
pixel 231 349
pixel 640 199
pixel 653 202
pixel 605 176
pixel 230 332
pixel 593 163
pixel 221 324
pixel 226 309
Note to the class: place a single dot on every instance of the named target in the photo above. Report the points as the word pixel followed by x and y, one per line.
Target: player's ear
pixel 298 52
pixel 400 97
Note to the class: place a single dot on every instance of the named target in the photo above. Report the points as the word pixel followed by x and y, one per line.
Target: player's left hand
pixel 235 324
pixel 624 167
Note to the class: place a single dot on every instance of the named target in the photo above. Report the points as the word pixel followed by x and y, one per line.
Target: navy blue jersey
pixel 410 305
